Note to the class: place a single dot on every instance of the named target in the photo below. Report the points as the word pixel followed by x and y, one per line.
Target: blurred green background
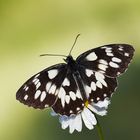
pixel 29 28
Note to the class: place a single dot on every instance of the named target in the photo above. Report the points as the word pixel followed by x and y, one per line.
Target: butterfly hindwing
pixel 69 100
pixel 97 85
pixel 111 60
pixel 41 90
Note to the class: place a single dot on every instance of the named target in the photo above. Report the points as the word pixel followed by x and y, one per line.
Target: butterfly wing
pixel 111 60
pixel 99 68
pixel 61 88
pixel 97 85
pixel 70 100
pixel 41 90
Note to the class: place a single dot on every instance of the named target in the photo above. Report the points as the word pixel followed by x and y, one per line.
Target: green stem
pixel 100 132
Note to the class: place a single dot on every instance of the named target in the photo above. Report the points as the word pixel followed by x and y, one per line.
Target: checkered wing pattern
pixel 70 100
pixel 41 90
pixel 111 60
pixel 67 87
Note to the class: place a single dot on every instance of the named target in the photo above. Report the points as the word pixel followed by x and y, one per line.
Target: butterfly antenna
pixel 53 55
pixel 74 43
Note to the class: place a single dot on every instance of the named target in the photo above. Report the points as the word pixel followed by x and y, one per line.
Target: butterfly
pixel 66 87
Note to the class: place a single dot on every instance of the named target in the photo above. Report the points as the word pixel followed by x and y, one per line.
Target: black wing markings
pixel 111 60
pixel 40 91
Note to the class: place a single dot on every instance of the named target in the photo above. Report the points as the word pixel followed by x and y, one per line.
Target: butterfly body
pixel 69 86
pixel 74 68
pixel 71 63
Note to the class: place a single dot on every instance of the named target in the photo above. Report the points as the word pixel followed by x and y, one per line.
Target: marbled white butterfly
pixel 66 87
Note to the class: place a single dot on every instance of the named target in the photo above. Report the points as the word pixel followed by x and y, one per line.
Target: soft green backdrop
pixel 29 28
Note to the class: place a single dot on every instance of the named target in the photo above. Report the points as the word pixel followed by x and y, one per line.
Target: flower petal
pixel 104 103
pixel 86 120
pixel 91 116
pixel 74 122
pixel 64 120
pixel 78 123
pixel 97 110
pixel 71 124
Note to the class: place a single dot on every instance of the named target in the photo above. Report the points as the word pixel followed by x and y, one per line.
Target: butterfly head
pixel 69 59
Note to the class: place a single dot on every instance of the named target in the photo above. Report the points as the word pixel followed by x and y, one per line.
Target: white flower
pixel 74 122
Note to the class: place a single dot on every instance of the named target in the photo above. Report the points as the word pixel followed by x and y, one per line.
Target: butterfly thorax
pixel 71 63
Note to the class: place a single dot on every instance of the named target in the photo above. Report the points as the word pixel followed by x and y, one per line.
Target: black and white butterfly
pixel 67 86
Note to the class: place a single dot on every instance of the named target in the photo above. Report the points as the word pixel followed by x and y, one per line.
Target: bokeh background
pixel 29 28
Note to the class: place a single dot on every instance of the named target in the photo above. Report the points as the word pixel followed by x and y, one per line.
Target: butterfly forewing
pixel 111 60
pixel 41 90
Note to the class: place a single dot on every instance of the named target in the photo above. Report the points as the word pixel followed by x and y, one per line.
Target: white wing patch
pixel 43 96
pixel 91 57
pixel 114 65
pixel 115 59
pixel 48 85
pixel 52 89
pixel 93 86
pixel 61 95
pixel 26 97
pixel 72 95
pixel 67 99
pixel 109 54
pixel 108 51
pixel 52 73
pixel 78 94
pixel 37 94
pixel 104 62
pixel 126 54
pixel 89 72
pixel 100 77
pixel 87 90
pixel 66 82
pixel 98 84
pixel 102 67
pixel 38 85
